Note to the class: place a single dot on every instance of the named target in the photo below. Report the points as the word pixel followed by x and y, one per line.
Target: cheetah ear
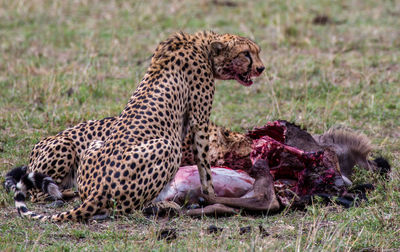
pixel 217 47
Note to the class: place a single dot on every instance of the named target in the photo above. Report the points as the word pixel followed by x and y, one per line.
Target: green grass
pixel 64 62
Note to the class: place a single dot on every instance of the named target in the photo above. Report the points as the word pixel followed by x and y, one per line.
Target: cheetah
pixel 58 156
pixel 142 151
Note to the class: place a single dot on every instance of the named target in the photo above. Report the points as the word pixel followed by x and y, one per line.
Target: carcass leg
pixel 264 194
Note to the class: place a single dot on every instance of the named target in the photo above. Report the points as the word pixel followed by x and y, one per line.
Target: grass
pixel 64 62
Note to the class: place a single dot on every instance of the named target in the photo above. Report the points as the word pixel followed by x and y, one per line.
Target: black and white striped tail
pixel 19 181
pixel 29 181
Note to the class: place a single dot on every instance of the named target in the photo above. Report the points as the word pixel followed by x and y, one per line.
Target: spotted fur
pixel 124 162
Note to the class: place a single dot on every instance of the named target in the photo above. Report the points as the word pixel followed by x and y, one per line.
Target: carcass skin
pixel 185 188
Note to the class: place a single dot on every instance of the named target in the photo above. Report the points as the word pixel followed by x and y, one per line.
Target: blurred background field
pixel 327 63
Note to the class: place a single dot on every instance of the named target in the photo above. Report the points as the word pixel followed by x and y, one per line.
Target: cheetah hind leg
pixel 162 209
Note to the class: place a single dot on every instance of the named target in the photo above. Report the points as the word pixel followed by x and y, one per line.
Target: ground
pixel 327 63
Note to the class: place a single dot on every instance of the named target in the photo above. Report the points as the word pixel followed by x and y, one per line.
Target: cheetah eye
pixel 247 54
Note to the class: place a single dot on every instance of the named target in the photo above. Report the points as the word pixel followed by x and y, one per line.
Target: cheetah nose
pixel 260 69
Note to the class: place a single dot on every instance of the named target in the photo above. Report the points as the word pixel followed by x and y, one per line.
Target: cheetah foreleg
pixel 201 154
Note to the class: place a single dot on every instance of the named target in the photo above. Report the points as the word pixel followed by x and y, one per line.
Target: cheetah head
pixel 236 58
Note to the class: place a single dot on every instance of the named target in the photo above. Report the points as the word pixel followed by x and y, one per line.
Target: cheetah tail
pixel 81 213
pixel 28 181
pixel 13 177
pixel 39 181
